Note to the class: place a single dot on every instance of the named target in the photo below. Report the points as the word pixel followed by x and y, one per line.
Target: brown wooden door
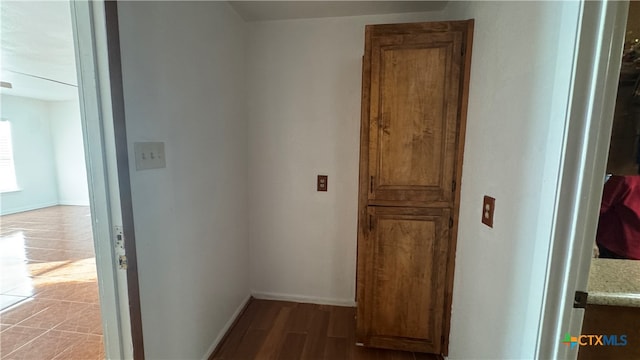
pixel 413 112
pixel 406 276
pixel 415 81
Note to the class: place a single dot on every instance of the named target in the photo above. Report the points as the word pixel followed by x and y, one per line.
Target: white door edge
pixel 588 125
pixel 89 32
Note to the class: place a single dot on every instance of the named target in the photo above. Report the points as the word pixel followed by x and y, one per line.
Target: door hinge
pixel 450 222
pixel 462 51
pixel 371 184
pixel 453 186
pixel 580 299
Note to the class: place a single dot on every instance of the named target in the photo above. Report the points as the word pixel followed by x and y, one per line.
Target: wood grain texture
pixel 461 133
pixel 413 113
pixel 611 320
pixel 407 277
pixel 274 341
pixel 299 331
pixel 414 104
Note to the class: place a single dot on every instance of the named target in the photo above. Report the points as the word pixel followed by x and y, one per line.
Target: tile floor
pixel 49 306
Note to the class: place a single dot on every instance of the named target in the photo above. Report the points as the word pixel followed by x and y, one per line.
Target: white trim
pixel 588 131
pixel 227 327
pixel 303 299
pixel 28 208
pixel 10 190
pixel 74 203
pixel 89 34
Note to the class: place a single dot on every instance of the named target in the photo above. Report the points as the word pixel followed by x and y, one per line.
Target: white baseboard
pixel 303 299
pixel 226 327
pixel 74 202
pixel 27 208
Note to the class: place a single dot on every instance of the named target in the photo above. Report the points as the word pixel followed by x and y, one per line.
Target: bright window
pixel 7 166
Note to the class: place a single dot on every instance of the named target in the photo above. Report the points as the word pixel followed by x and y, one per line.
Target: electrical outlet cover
pixel 488 207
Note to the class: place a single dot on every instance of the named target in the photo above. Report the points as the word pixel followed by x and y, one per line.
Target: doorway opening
pixel 613 303
pixel 81 46
pixel 50 304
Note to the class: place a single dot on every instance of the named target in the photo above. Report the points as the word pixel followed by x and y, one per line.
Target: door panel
pixel 407 275
pixel 409 148
pixel 413 116
pixel 414 94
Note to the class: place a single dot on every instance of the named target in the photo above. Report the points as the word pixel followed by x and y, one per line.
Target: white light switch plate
pixel 149 155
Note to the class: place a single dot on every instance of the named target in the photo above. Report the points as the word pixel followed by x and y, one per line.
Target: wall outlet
pixel 322 182
pixel 149 155
pixel 488 206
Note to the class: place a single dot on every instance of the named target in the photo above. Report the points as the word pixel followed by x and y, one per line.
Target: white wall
pixel 68 145
pixel 520 72
pixel 183 73
pixel 304 120
pixel 33 155
pixel 186 87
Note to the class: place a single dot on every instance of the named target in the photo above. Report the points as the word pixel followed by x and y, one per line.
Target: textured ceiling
pixel 280 10
pixel 36 39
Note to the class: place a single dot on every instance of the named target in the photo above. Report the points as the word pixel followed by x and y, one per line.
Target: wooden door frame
pixel 124 182
pixel 462 130
pixel 364 177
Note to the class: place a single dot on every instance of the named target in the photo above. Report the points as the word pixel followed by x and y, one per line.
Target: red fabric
pixel 619 225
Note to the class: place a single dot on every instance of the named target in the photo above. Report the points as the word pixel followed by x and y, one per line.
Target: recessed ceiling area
pixel 281 10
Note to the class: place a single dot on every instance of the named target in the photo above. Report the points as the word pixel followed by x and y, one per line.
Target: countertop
pixel 614 282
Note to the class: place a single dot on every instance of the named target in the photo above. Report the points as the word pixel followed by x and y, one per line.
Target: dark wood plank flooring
pixel 287 330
